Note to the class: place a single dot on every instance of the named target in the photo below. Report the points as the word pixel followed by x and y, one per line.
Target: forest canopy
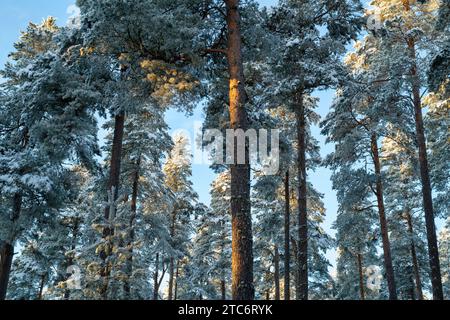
pixel 97 200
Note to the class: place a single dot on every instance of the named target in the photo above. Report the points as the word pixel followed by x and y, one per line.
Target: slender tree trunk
pixel 6 256
pixel 433 252
pixel 172 260
pixel 70 259
pixel 267 295
pixel 223 284
pixel 287 239
pixel 223 289
pixel 7 248
pixel 242 242
pixel 361 277
pixel 41 287
pixel 415 263
pixel 171 278
pixel 113 186
pixel 156 279
pixel 296 278
pixel 302 294
pixel 277 273
pixel 134 196
pixel 383 222
pixel 177 273
pixel 116 159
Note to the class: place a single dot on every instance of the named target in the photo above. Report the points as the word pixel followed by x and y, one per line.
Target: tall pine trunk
pixel 418 281
pixel 302 286
pixel 223 289
pixel 156 279
pixel 295 253
pixel 361 276
pixel 113 186
pixel 6 256
pixel 69 262
pixel 172 260
pixel 41 287
pixel 116 159
pixel 287 238
pixel 433 252
pixel 383 222
pixel 223 284
pixel 133 215
pixel 177 274
pixel 7 248
pixel 171 278
pixel 277 273
pixel 242 242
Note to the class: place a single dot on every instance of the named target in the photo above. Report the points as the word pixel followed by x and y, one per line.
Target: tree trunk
pixel 134 196
pixel 116 159
pixel 113 186
pixel 6 256
pixel 223 289
pixel 7 249
pixel 296 278
pixel 171 278
pixel 361 277
pixel 41 287
pixel 242 242
pixel 302 288
pixel 277 273
pixel 383 223
pixel 223 285
pixel 172 260
pixel 433 252
pixel 177 273
pixel 156 279
pixel 69 262
pixel 415 263
pixel 287 236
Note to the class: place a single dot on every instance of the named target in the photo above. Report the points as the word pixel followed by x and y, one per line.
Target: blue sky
pixel 15 16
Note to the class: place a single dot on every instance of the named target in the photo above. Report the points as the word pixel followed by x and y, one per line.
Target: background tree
pixel 47 120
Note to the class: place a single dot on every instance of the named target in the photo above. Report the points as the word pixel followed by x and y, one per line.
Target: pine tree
pixel 356 236
pixel 242 255
pixel 403 197
pixel 439 68
pixel 208 272
pixel 136 54
pixel 178 172
pixel 268 209
pixel 436 124
pixel 307 61
pixel 142 169
pixel 415 20
pixel 46 121
pixel 232 22
pixel 356 135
